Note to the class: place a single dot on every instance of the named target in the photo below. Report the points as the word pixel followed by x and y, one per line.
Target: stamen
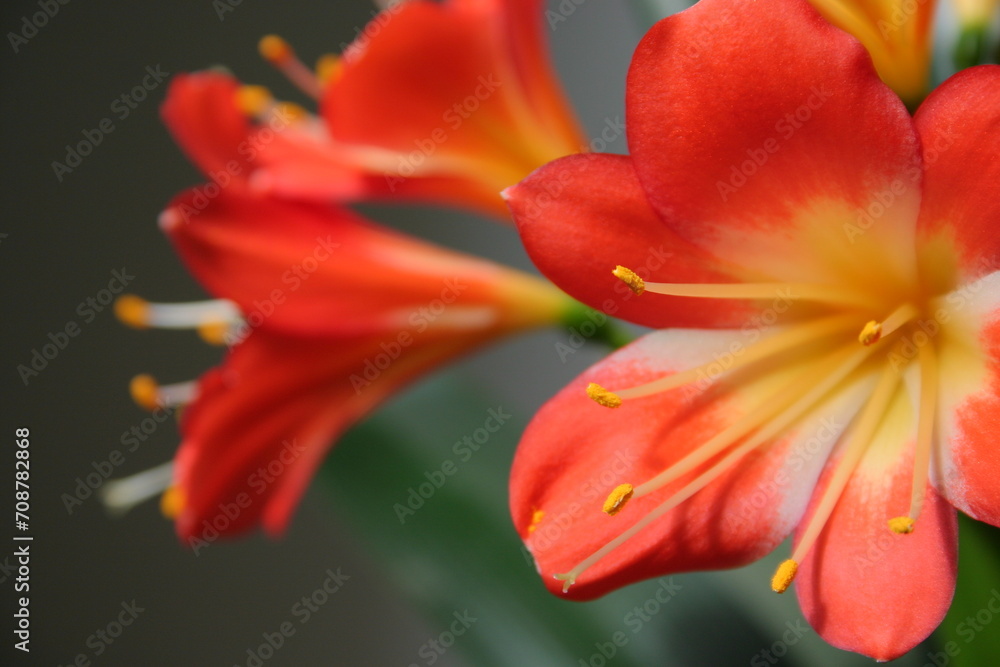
pixel 254 100
pixel 871 334
pixel 617 499
pixel 925 430
pixel 536 518
pixel 794 291
pixel 121 495
pixel 630 278
pixel 141 314
pixel 602 396
pixel 789 399
pixel 214 333
pixel 150 395
pixel 901 525
pixel 860 438
pixel 783 341
pixel 132 310
pixel 784 576
pixel 172 502
pixel 329 68
pixel 770 430
pixel 277 51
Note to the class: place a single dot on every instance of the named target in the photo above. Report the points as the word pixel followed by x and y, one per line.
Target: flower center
pixel 841 345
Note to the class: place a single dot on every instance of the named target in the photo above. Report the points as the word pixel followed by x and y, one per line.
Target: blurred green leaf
pixel 457 550
pixel 969 636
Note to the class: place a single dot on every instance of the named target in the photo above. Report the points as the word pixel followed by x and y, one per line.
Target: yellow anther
pixel 871 333
pixel 275 50
pixel 536 518
pixel 630 278
pixel 784 576
pixel 145 392
pixel 567 579
pixel 214 333
pixel 602 396
pixel 617 499
pixel 901 525
pixel 291 111
pixel 329 68
pixel 172 502
pixel 253 100
pixel 132 310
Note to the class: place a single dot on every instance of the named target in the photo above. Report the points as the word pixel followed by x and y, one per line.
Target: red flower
pixel 440 102
pixel 329 315
pixel 827 280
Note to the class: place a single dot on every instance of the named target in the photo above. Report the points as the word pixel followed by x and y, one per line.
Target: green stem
pixel 971 47
pixel 595 326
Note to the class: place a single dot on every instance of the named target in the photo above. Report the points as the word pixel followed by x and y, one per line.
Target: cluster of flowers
pixel 819 262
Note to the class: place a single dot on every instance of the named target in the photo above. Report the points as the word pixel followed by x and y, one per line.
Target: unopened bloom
pixel 326 315
pixel 825 271
pixel 441 102
pixel 897 34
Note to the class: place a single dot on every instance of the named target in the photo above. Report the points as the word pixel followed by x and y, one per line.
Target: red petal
pixel 575 452
pixel 438 84
pixel 868 590
pixel 760 131
pixel 263 422
pixel 315 270
pixel 582 215
pixel 201 113
pixel 959 126
pixel 969 459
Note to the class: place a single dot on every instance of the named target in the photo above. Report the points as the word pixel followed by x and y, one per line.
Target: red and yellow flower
pixel 327 314
pixel 824 269
pixel 443 103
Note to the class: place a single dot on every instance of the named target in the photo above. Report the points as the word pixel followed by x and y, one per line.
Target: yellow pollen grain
pixel 213 333
pixel 132 310
pixel 630 278
pixel 602 396
pixel 871 333
pixel 784 576
pixel 536 518
pixel 172 502
pixel 145 392
pixel 617 499
pixel 253 100
pixel 292 111
pixel 901 525
pixel 275 50
pixel 329 68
